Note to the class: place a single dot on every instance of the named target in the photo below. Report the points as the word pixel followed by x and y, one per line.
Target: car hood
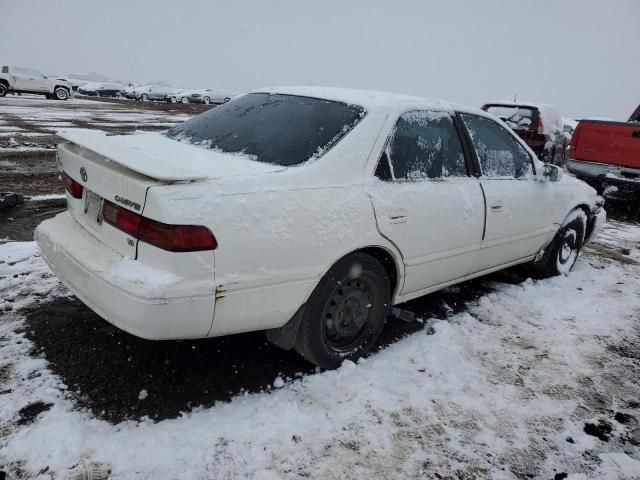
pixel 161 158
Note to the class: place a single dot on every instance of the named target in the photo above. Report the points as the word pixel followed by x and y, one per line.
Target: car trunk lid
pixel 121 169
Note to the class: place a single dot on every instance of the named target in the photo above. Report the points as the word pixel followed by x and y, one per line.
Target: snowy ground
pixel 514 386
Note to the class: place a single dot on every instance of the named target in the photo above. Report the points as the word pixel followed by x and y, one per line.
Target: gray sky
pixel 580 55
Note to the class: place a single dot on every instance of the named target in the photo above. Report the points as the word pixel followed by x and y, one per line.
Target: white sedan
pixel 305 212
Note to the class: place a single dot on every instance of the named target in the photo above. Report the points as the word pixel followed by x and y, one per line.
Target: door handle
pixel 398 216
pixel 636 134
pixel 496 207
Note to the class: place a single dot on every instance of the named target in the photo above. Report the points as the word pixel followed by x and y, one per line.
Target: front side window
pixel 499 153
pixel 5 69
pixel 279 129
pixel 423 145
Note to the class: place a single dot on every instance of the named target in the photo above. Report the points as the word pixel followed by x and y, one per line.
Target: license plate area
pixel 92 210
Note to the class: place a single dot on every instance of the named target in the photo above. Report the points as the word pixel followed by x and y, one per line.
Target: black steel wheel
pixel 346 312
pixel 561 255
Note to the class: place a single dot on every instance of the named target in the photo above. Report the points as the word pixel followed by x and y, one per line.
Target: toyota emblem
pixel 83 174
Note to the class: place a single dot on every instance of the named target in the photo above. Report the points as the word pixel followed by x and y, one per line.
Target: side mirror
pixel 552 172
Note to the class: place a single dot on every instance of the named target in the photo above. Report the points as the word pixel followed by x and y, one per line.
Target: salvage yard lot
pixel 28 127
pixel 500 378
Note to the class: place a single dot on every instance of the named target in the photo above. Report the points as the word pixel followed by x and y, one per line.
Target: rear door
pixel 426 203
pixel 520 206
pixel 614 143
pixel 21 79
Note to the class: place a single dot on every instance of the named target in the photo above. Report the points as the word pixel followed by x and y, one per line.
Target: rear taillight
pixel 174 238
pixel 73 187
pixel 540 125
pixel 574 142
pixel 121 218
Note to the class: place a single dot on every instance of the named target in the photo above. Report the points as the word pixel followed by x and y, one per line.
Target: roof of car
pixel 369 99
pixel 538 105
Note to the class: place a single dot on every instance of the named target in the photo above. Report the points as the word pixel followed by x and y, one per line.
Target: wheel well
pixel 61 86
pixel 388 263
pixel 590 221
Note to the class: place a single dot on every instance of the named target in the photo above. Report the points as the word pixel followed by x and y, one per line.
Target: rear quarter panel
pixel 274 244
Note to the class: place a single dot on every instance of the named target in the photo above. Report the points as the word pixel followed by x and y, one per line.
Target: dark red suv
pixel 539 125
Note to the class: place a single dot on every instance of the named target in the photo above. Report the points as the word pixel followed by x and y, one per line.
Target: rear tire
pixel 185 100
pixel 206 100
pixel 227 99
pixel 346 312
pixel 3 89
pixel 60 93
pixel 144 97
pixel 561 255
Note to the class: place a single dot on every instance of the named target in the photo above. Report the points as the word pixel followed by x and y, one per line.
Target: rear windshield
pixel 518 118
pixel 271 128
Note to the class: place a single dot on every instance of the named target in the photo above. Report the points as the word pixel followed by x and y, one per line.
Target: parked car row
pixel 163 93
pixel 202 95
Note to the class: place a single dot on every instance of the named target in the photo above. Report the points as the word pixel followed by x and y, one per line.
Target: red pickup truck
pixel 607 155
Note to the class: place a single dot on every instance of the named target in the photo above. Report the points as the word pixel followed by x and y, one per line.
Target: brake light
pixel 540 125
pixel 73 187
pixel 574 142
pixel 121 218
pixel 174 238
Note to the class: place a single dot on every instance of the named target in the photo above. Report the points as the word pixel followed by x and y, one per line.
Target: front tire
pixel 144 97
pixel 346 312
pixel 206 100
pixel 185 100
pixel 562 253
pixel 3 89
pixel 60 93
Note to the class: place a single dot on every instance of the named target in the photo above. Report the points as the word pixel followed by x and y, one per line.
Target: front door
pixel 426 203
pixel 520 205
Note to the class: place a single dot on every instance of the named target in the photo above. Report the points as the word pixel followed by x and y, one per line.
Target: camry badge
pixel 83 174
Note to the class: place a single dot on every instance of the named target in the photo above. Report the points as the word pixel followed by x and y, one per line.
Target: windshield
pixel 518 118
pixel 271 128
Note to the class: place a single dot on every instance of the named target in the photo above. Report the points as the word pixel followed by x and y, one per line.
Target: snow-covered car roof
pixel 370 99
pixel 538 105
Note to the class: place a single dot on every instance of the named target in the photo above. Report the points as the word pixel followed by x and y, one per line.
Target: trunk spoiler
pixel 161 158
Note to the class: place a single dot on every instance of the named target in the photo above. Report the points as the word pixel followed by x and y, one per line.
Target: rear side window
pixel 272 128
pixel 423 145
pixel 499 153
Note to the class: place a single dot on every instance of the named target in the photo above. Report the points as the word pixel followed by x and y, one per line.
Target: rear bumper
pixel 606 175
pixel 146 309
